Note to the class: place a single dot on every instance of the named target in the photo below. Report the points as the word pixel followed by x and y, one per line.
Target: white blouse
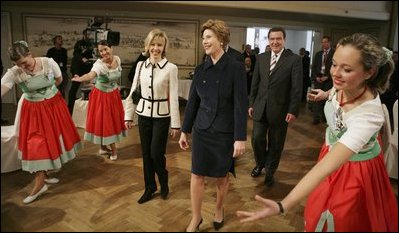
pixel 359 125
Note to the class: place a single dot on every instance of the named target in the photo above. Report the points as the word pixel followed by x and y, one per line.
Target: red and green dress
pixel 105 122
pixel 47 135
pixel 358 196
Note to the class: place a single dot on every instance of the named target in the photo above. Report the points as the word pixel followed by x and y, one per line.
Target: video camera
pixel 95 33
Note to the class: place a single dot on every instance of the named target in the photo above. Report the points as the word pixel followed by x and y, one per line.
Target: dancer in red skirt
pixel 105 123
pixel 47 135
pixel 349 189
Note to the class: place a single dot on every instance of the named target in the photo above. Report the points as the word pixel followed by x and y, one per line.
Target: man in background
pixel 82 62
pixel 321 77
pixel 60 56
pixel 306 72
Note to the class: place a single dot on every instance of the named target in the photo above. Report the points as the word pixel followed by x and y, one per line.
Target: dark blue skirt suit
pixel 216 114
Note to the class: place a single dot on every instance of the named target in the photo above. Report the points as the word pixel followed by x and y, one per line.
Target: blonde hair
pixel 155 33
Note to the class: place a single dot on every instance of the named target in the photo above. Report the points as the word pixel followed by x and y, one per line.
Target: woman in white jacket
pixel 157 109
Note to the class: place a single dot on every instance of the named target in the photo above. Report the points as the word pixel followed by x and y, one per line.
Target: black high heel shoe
pixel 218 225
pixel 197 228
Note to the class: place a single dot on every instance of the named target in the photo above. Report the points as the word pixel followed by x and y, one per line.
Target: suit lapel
pixel 279 62
pixel 266 59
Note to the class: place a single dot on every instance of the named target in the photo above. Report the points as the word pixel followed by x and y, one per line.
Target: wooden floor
pixel 96 194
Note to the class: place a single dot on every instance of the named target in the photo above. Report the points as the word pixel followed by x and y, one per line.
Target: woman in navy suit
pixel 216 116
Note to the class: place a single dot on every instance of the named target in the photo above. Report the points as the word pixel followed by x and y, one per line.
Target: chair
pixel 9 150
pixel 85 92
pixel 390 143
pixel 394 141
pixel 395 124
pixel 9 143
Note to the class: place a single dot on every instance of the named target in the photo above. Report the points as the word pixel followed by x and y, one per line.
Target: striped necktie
pixel 325 55
pixel 273 62
pixel 323 65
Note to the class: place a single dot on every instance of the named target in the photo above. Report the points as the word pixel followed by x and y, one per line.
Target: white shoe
pixel 103 152
pixel 31 198
pixel 113 157
pixel 51 180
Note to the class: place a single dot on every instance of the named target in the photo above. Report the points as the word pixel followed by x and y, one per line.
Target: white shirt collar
pixel 278 54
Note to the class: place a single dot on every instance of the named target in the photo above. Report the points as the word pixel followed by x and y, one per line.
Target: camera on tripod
pixel 96 33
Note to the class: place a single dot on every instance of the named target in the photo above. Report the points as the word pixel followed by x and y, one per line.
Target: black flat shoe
pixel 218 225
pixel 257 171
pixel 148 195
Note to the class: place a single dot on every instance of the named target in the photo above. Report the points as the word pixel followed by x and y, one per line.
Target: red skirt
pixel 48 137
pixel 105 122
pixel 356 197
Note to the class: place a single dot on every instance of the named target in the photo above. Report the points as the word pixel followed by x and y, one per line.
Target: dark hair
pixel 55 38
pixel 220 28
pixel 372 55
pixel 18 50
pixel 105 43
pixel 327 37
pixel 276 29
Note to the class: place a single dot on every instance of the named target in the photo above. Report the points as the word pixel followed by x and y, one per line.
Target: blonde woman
pixel 157 109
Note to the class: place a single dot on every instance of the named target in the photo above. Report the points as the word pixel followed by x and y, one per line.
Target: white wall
pixel 295 40
pixel 379 10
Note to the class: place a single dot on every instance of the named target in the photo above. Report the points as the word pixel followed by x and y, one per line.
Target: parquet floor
pixel 96 194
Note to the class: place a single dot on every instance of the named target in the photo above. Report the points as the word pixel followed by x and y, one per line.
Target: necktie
pixel 323 66
pixel 273 62
pixel 325 57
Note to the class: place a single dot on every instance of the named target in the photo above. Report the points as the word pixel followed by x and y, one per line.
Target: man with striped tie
pixel 276 93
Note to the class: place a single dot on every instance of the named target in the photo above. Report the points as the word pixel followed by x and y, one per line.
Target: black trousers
pixel 72 95
pixel 154 137
pixel 318 106
pixel 268 143
pixel 64 83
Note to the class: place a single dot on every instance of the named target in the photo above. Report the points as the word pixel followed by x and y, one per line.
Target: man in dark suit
pixel 60 55
pixel 306 72
pixel 321 76
pixel 82 62
pixel 274 102
pixel 234 54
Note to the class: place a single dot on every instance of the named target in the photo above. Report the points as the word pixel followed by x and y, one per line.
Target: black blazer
pixel 318 63
pixel 218 98
pixel 280 91
pixel 235 54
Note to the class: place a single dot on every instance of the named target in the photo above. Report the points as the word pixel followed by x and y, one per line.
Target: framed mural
pixel 183 36
pixel 40 30
pixel 183 39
